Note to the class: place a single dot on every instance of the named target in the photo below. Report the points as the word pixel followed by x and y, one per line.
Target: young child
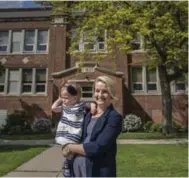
pixel 69 128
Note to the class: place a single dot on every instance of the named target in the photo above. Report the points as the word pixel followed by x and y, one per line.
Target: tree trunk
pixel 166 100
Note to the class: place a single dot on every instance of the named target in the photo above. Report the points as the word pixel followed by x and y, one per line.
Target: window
pixel 144 79
pixel 24 81
pixel 2 82
pixel 86 91
pixel 40 80
pixel 27 81
pixel 4 36
pixel 180 84
pixel 13 81
pixel 24 41
pixel 42 40
pixel 16 41
pixel 93 43
pixel 29 40
pixel 137 80
pixel 151 80
pixel 137 44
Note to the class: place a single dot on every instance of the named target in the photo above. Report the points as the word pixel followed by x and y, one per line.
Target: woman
pixel 96 156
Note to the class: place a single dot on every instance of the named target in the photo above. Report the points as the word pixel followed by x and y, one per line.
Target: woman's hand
pixel 76 149
pixel 66 151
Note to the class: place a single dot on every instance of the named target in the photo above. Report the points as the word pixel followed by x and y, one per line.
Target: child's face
pixel 93 108
pixel 68 99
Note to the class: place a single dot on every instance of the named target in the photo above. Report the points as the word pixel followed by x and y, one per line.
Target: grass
pixel 28 136
pixel 13 156
pixel 153 135
pixel 152 161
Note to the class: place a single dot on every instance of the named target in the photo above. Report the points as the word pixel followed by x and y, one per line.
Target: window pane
pixel 89 46
pixel 13 81
pixel 87 88
pixel 1 88
pixel 40 88
pixel 180 87
pixel 2 77
pixel 42 40
pixel 137 74
pixel 29 40
pixel 87 95
pixel 137 86
pixel 41 47
pixel 42 36
pixel 13 75
pixel 3 48
pixel 26 88
pixel 4 40
pixel 27 76
pixel 151 75
pixel 151 86
pixel 13 87
pixel 16 41
pixel 40 75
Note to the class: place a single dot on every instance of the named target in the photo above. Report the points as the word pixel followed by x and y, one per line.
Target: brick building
pixel 33 46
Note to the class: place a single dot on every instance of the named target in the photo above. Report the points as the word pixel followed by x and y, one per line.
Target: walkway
pixel 126 141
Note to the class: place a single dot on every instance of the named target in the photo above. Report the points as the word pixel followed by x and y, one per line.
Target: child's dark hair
pixel 72 88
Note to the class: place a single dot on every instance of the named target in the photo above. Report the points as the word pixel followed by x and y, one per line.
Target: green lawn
pixel 152 161
pixel 153 135
pixel 28 136
pixel 13 156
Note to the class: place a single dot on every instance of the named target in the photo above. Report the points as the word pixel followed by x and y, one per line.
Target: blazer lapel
pixel 100 123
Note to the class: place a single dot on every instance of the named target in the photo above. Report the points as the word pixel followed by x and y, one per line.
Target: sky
pixel 18 4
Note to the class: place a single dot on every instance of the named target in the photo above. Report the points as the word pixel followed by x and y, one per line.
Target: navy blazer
pixel 101 149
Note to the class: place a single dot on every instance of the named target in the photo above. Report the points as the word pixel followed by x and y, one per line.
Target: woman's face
pixel 101 94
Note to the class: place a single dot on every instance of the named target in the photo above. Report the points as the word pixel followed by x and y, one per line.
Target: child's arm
pixel 57 105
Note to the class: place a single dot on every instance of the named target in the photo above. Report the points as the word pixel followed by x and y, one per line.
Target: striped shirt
pixel 70 126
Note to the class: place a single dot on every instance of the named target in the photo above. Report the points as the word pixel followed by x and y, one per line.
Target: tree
pixel 163 26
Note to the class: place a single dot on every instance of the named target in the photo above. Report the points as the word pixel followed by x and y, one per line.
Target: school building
pixel 33 45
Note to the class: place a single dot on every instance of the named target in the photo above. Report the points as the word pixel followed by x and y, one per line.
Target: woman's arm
pixel 101 144
pixel 57 105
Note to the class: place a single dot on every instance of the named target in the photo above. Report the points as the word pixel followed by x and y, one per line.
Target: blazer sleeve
pixel 104 140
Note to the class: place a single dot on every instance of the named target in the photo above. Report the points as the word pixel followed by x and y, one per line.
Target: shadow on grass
pixel 10 148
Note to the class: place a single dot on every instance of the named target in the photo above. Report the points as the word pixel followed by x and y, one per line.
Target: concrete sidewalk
pixel 46 164
pixel 120 141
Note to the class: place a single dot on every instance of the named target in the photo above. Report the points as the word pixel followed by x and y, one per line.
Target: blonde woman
pixel 96 156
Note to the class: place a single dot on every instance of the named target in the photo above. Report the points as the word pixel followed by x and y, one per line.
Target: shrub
pixel 147 125
pixel 156 127
pixel 41 125
pixel 131 123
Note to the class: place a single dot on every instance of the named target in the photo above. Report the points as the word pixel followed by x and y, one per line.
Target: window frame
pixel 22 41
pixel 20 83
pixel 144 81
pixel 7 42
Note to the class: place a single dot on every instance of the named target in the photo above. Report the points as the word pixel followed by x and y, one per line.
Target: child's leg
pixel 66 166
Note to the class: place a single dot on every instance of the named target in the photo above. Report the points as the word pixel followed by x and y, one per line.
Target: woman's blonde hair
pixel 109 83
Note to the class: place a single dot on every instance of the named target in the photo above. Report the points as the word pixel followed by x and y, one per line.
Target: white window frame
pixel 3 83
pixel 151 91
pixel 95 45
pixel 28 44
pixel 144 81
pixel 20 83
pixel 132 83
pixel 40 84
pixel 7 42
pixel 22 42
pixel 25 83
pixel 141 44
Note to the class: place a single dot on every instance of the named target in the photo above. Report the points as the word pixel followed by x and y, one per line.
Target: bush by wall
pixel 131 123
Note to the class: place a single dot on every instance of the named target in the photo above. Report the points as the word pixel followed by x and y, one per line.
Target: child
pixel 69 128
